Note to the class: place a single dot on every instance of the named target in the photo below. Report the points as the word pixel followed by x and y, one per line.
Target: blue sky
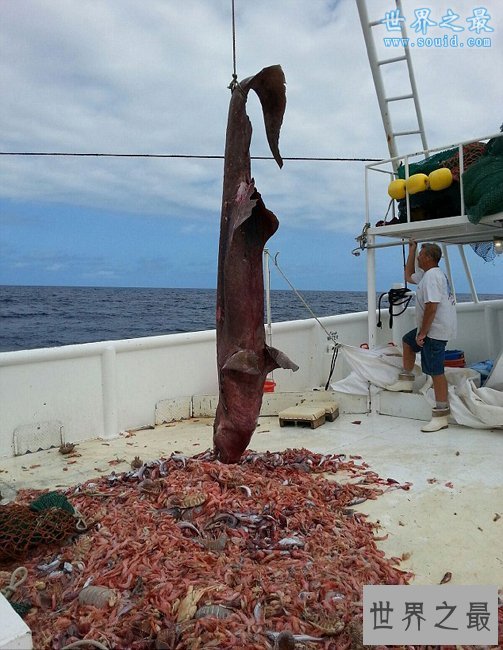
pixel 120 76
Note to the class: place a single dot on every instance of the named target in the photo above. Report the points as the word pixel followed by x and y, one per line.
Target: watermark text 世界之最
pixel 430 614
pixel 443 29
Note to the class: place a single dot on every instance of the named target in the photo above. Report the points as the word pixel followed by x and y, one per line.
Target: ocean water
pixel 37 317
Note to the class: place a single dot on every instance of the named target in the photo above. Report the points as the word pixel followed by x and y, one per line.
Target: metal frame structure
pixel 451 230
pixel 457 230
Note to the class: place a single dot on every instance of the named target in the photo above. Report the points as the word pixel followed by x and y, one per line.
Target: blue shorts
pixel 432 353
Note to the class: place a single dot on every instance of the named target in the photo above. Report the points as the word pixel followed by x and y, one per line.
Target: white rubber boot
pixel 438 420
pixel 404 384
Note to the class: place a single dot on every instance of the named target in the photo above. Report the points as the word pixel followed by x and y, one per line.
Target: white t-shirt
pixel 433 286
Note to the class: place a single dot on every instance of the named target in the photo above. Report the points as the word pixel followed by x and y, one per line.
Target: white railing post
pixel 407 196
pixel 109 393
pixel 371 292
pixel 461 171
pixel 493 333
pixel 448 269
pixel 468 273
pixel 267 279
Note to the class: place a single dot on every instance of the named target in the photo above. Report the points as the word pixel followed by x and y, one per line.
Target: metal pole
pixel 267 276
pixel 387 244
pixel 468 272
pixel 407 197
pixel 371 293
pixel 367 198
pixel 448 269
pixel 461 170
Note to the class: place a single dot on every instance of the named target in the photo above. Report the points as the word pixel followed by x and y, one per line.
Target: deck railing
pixel 100 389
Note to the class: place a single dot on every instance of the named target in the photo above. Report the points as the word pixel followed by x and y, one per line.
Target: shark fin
pixel 245 361
pixel 269 84
pixel 280 359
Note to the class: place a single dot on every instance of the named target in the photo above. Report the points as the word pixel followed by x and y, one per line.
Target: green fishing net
pixel 52 500
pixel 47 520
pixel 21 608
pixel 448 158
pixel 444 203
pixel 483 186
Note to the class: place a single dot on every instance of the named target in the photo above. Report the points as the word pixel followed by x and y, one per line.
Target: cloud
pixel 129 77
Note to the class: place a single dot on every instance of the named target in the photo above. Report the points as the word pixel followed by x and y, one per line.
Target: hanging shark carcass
pixel 243 358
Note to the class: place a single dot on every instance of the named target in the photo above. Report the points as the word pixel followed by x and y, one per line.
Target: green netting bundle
pixel 52 500
pixel 21 608
pixel 427 165
pixel 443 203
pixel 47 520
pixel 483 187
pixel 495 146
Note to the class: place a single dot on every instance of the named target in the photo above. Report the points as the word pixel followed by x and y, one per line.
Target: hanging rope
pixel 234 83
pixel 330 335
pixel 332 366
pixel 176 155
pixel 301 298
pixel 399 297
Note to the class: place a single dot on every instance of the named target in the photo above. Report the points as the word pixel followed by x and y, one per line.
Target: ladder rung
pixel 405 133
pixel 394 60
pixel 399 97
pixel 375 22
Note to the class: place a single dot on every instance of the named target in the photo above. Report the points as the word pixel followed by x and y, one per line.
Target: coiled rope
pixel 399 297
pixel 17 578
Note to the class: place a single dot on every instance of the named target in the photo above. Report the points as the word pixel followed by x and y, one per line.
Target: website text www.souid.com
pixel 438 41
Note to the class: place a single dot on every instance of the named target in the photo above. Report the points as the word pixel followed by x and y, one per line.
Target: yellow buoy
pixel 417 183
pixel 396 189
pixel 440 179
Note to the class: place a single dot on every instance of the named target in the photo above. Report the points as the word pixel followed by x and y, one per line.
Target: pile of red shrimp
pixel 194 554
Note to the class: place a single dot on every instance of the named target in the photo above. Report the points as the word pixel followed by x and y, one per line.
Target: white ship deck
pixel 439 528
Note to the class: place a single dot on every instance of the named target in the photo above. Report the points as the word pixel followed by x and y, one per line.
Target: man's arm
pixel 430 309
pixel 410 265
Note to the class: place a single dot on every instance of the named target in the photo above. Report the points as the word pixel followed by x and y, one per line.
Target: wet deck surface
pixel 451 519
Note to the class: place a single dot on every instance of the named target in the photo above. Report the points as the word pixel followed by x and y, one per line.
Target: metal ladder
pixel 384 99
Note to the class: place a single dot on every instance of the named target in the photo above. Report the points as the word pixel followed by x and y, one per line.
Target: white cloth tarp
pixel 495 379
pixel 480 408
pixel 472 406
pixel 379 366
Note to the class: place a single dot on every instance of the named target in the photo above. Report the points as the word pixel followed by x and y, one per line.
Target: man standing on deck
pixel 436 323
